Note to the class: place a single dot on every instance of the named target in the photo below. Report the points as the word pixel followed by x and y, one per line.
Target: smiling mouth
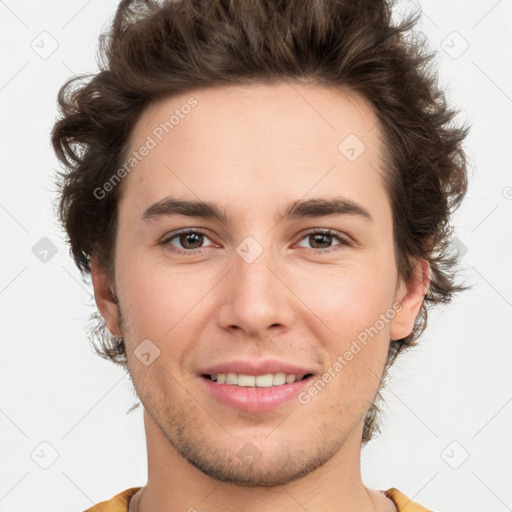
pixel 256 381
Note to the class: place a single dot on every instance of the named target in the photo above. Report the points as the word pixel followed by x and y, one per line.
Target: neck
pixel 175 485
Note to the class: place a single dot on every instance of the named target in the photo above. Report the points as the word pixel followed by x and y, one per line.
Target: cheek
pixel 159 299
pixel 352 301
pixel 349 298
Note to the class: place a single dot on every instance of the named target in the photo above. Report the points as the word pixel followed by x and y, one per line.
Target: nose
pixel 257 295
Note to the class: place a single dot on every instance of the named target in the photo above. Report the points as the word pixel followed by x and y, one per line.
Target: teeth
pixel 278 379
pixel 247 381
pixel 231 378
pixel 263 381
pixel 259 381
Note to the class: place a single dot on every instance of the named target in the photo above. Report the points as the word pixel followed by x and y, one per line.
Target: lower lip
pixel 255 399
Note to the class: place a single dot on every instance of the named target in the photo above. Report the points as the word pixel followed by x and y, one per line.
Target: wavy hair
pixel 157 49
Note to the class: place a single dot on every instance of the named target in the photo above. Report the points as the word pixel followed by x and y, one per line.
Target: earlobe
pixel 410 295
pixel 105 298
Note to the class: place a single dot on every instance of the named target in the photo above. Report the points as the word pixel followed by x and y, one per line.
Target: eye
pixel 192 240
pixel 324 237
pixel 189 239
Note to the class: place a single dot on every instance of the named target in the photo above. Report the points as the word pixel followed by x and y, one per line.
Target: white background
pixel 454 387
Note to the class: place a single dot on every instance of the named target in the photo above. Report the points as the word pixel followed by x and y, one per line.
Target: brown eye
pixel 190 241
pixel 322 240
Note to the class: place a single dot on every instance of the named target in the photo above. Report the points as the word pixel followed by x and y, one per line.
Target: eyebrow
pixel 319 207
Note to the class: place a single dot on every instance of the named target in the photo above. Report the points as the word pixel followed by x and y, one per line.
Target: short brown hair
pixel 157 50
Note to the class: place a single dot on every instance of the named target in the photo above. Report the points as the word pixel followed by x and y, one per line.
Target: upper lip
pixel 256 368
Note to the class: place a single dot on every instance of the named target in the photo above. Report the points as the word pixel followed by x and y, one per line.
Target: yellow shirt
pixel 119 503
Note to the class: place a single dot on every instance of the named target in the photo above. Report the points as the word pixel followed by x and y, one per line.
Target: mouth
pixel 256 393
pixel 267 380
pixel 255 386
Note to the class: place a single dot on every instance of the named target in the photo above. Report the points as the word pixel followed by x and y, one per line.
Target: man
pixel 261 192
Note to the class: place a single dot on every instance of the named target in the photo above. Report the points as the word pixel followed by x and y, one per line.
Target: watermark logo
pixel 455 455
pixel 454 45
pixel 355 348
pixel 151 142
pixel 351 147
pixel 44 455
pixel 249 454
pixel 45 45
pixel 249 250
pixel 44 250
pixel 458 247
pixel 146 352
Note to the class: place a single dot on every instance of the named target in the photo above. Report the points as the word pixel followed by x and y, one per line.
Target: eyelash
pixel 343 241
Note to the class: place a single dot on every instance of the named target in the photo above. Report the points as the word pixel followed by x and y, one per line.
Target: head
pixel 266 110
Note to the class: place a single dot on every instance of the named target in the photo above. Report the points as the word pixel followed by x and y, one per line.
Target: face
pixel 289 269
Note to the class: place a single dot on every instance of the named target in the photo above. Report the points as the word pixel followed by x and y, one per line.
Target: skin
pixel 252 150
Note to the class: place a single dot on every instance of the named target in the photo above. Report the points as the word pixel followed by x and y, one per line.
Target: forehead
pixel 257 109
pixel 254 139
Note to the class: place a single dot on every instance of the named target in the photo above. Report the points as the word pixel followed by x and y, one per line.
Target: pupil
pixel 190 236
pixel 320 236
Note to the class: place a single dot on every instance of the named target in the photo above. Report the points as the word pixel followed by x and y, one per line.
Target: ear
pixel 410 295
pixel 106 300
